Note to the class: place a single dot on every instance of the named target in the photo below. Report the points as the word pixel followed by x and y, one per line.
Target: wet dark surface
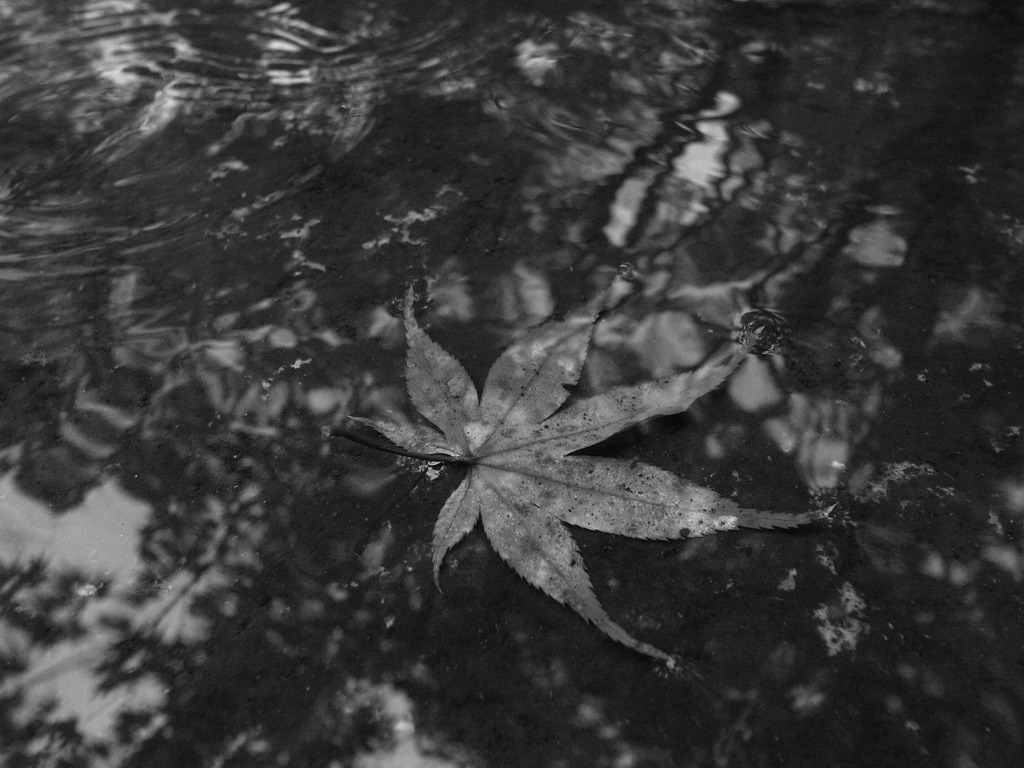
pixel 209 214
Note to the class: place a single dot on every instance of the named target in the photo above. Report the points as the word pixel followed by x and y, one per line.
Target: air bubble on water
pixel 626 271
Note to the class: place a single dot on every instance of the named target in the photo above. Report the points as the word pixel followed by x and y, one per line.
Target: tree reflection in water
pixel 207 216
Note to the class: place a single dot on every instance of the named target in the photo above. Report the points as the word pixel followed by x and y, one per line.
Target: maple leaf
pixel 524 485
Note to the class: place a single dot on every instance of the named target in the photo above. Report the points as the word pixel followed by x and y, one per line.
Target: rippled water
pixel 209 214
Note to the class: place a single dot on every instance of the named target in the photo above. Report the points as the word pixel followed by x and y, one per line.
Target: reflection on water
pixel 208 212
pixel 81 579
pixel 81 570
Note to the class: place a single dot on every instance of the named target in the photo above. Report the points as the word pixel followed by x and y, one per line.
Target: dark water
pixel 209 214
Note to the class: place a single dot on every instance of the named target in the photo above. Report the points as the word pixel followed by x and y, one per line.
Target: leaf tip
pixel 670 662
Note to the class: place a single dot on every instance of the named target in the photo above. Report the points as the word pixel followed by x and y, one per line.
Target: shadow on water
pixel 209 214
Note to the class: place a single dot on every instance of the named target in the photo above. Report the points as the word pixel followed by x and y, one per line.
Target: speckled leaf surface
pixel 524 485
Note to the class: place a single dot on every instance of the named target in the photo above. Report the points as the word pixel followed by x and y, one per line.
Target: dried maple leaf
pixel 523 484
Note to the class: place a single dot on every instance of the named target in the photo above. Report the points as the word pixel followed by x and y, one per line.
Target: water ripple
pixel 128 118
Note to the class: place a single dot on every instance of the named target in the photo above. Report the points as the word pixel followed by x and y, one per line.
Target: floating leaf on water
pixel 525 487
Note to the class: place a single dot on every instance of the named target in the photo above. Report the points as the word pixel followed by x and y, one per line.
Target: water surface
pixel 209 215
